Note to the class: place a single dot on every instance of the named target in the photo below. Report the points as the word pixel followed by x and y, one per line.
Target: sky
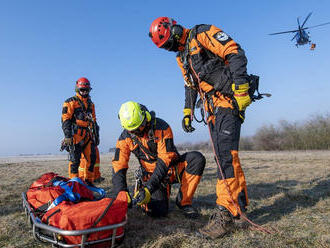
pixel 45 46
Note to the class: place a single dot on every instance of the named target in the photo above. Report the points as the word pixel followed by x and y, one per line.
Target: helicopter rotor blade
pixel 294 36
pixel 309 15
pixel 317 25
pixel 292 31
pixel 298 22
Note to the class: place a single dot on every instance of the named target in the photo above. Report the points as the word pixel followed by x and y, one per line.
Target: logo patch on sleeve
pixel 222 37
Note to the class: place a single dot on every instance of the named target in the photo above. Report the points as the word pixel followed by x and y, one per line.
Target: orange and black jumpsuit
pixel 210 63
pixel 78 118
pixel 159 159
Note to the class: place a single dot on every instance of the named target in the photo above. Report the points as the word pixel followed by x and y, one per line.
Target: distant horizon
pixel 190 142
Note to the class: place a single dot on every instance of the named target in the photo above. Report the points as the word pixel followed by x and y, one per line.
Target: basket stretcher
pixel 49 234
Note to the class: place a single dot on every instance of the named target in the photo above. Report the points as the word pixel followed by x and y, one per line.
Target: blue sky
pixel 45 46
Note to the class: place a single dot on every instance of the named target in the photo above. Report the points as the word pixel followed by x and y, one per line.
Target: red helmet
pixel 83 84
pixel 160 30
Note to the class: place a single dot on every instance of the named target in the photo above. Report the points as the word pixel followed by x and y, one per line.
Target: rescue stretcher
pixel 49 234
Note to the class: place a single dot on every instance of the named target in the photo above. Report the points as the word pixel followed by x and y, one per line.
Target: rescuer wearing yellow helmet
pixel 150 139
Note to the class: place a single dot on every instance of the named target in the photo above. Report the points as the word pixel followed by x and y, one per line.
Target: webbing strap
pixel 147 151
pixel 82 105
pixel 97 190
pixel 74 196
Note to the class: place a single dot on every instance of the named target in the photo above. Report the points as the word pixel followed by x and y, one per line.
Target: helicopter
pixel 302 37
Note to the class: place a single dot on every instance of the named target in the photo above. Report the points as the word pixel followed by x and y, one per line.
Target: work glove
pixel 242 97
pixel 186 121
pixel 129 200
pixel 68 141
pixel 142 196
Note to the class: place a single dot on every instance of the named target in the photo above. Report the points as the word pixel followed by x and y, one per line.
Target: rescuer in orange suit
pixel 214 67
pixel 150 139
pixel 80 129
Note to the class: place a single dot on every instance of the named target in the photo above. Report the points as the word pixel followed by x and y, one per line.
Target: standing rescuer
pixel 214 67
pixel 80 129
pixel 150 139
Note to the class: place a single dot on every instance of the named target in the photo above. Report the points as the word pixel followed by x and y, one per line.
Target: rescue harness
pixel 141 174
pixel 194 78
pixel 92 127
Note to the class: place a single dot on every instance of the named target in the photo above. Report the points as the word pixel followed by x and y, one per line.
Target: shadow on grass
pixel 289 202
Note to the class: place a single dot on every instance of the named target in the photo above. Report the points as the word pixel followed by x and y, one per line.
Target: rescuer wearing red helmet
pixel 81 131
pixel 214 67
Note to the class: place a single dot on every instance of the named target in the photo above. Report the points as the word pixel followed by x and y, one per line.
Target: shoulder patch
pixel 222 37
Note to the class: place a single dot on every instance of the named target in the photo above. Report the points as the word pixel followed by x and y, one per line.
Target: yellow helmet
pixel 131 115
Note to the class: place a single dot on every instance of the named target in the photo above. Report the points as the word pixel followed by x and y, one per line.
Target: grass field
pixel 289 192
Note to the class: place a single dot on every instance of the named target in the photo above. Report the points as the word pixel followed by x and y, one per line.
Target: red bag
pixel 46 179
pixel 42 192
pixel 83 215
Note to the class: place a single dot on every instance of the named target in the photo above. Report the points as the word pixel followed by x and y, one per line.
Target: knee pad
pixel 196 163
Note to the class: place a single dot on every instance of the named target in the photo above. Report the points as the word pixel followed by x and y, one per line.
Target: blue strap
pixel 99 191
pixel 68 195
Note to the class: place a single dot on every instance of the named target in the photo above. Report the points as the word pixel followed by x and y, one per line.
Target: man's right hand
pixel 142 196
pixel 68 141
pixel 186 121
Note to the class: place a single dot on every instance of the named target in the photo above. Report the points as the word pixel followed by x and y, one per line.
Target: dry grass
pixel 289 191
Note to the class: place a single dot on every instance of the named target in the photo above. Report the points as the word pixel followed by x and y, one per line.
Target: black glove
pixel 186 121
pixel 186 124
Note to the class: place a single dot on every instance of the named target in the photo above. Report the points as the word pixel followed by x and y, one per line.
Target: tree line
pixel 311 134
